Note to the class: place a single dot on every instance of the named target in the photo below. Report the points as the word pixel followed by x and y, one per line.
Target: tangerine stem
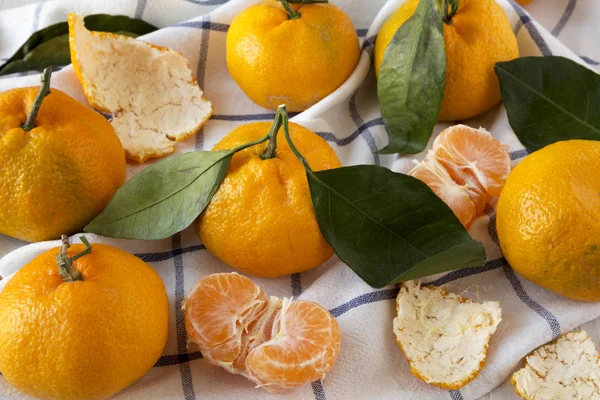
pixel 37 103
pixel 286 132
pixel 271 150
pixel 292 14
pixel 449 8
pixel 65 263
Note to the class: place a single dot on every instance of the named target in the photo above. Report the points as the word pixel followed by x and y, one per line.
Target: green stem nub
pixel 65 263
pixel 271 150
pixel 292 14
pixel 449 8
pixel 37 103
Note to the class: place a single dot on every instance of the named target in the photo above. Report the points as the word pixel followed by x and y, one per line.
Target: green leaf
pixel 164 198
pixel 410 86
pixel 549 99
pixel 388 226
pixel 50 46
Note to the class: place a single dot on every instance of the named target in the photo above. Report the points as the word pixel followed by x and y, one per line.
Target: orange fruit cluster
pixel 466 168
pixel 276 343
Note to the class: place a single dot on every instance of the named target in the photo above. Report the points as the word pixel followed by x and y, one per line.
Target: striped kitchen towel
pixel 370 364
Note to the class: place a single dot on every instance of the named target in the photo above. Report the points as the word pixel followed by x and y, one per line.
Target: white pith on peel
pixel 568 368
pixel 444 336
pixel 149 90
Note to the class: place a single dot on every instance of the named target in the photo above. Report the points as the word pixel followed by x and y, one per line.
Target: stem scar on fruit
pixel 37 103
pixel 65 263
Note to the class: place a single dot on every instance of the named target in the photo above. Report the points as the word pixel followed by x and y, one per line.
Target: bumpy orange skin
pixel 548 219
pixel 87 339
pixel 298 62
pixel 479 36
pixel 57 177
pixel 261 219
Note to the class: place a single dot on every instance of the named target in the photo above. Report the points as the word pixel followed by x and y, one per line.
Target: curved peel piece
pixel 149 90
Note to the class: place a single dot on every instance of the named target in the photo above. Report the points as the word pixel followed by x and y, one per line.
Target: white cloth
pixel 370 364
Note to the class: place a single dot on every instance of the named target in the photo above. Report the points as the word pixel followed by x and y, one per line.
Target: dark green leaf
pixel 389 227
pixel 117 23
pixel 50 46
pixel 410 86
pixel 549 99
pixel 164 198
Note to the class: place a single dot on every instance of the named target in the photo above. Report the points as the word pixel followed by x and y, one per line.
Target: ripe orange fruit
pixel 466 168
pixel 59 175
pixel 261 219
pixel 478 37
pixel 276 343
pixel 295 59
pixel 86 333
pixel 548 219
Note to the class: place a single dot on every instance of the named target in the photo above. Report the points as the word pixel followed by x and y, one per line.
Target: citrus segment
pixel 457 197
pixel 276 343
pixel 303 350
pixel 466 169
pixel 219 309
pixel 473 154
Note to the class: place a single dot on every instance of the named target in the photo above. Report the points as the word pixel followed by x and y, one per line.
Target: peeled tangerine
pixel 444 336
pixel 466 168
pixel 276 343
pixel 568 368
pixel 149 90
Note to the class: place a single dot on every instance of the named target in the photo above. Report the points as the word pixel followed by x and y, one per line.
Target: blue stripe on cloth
pixel 163 256
pixel 249 117
pixel 167 361
pixel 184 366
pixel 368 46
pixel 535 306
pixel 361 32
pixel 203 24
pixel 517 154
pixel 455 395
pixel 296 282
pixel 533 32
pixel 318 391
pixel 330 137
pixel 565 17
pixel 140 8
pixel 589 60
pixel 200 74
pixel 362 126
pixel 367 298
pixel 465 272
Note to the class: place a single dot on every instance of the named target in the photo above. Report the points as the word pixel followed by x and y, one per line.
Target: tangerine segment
pixel 303 350
pixel 271 341
pixel 218 311
pixel 464 200
pixel 473 155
